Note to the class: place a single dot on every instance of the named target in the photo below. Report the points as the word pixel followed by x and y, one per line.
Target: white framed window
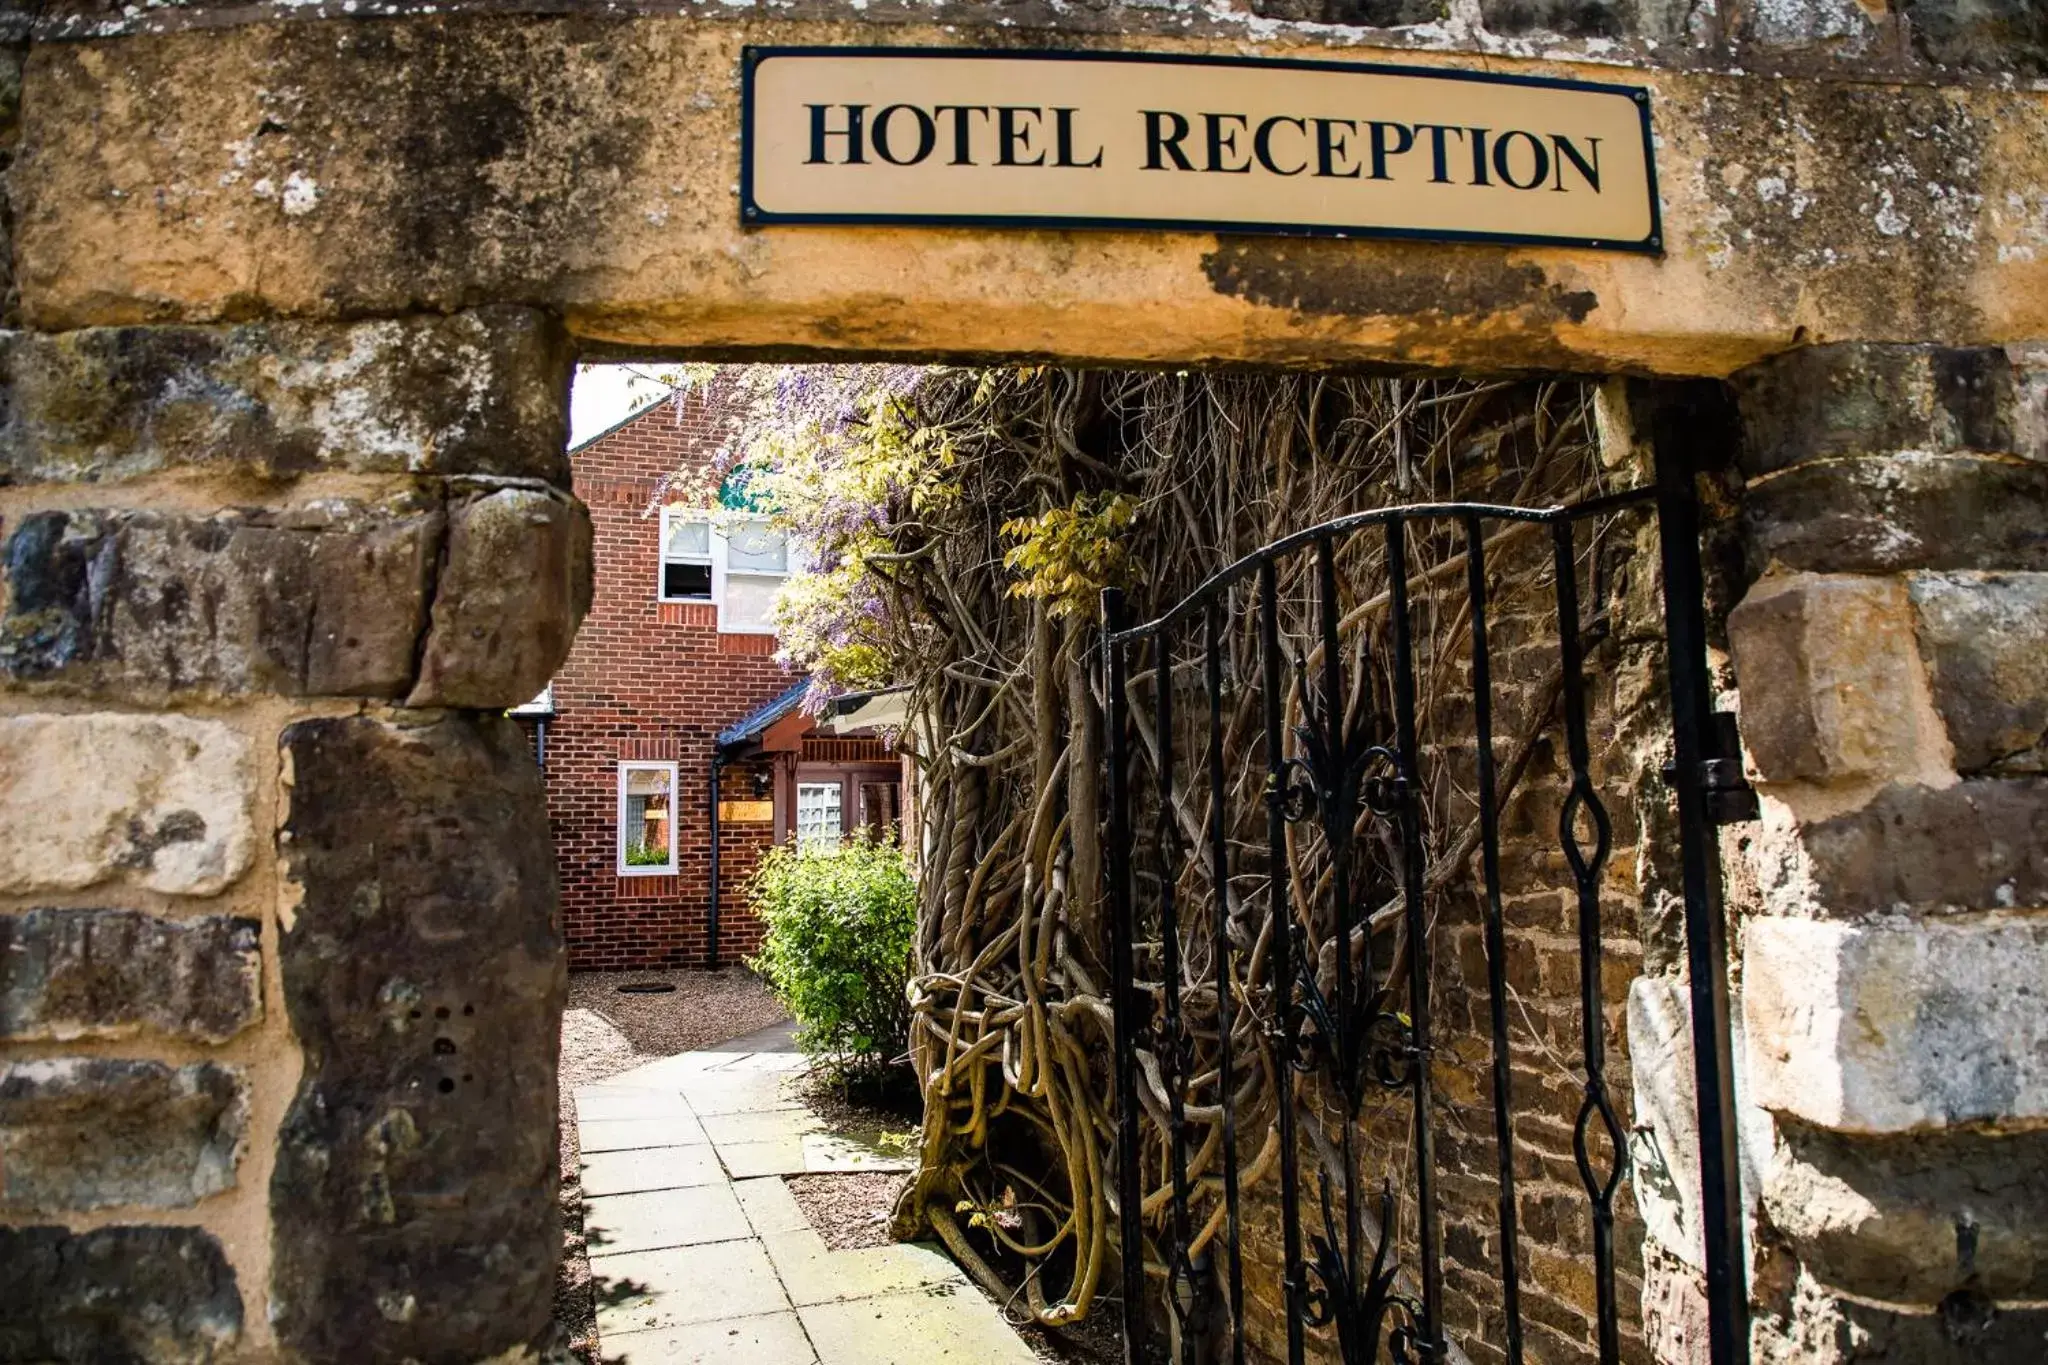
pixel 687 570
pixel 647 819
pixel 818 813
pixel 753 559
pixel 737 563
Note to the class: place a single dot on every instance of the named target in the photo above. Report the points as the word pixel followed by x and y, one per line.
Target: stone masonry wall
pixel 1887 910
pixel 280 957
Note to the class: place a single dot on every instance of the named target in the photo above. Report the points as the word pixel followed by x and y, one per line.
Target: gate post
pixel 1889 654
pixel 280 960
pixel 1680 418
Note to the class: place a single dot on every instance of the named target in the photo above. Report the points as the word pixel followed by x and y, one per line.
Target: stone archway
pixel 285 519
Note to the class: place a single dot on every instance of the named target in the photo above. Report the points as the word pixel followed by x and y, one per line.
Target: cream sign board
pixel 1219 144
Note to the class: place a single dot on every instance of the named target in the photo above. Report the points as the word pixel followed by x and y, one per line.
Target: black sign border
pixel 753 215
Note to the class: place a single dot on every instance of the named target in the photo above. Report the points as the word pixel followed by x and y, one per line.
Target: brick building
pixel 673 675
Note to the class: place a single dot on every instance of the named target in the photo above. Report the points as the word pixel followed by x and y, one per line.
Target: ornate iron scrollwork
pixel 1361 1309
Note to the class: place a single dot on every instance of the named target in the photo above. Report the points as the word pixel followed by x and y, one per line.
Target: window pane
pixel 751 547
pixel 691 582
pixel 749 601
pixel 817 813
pixel 647 837
pixel 691 538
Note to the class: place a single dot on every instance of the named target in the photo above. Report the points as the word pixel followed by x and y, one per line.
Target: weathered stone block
pixel 1896 1028
pixel 1980 844
pixel 413 1205
pixel 154 1296
pixel 1856 399
pixel 92 1132
pixel 1967 1328
pixel 1983 35
pixel 1985 640
pixel 331 599
pixel 1915 1219
pixel 481 392
pixel 1890 514
pixel 1353 13
pixel 111 973
pixel 1832 686
pixel 325 600
pixel 1664 1148
pixel 1837 26
pixel 515 585
pixel 2030 408
pixel 161 802
pixel 1578 18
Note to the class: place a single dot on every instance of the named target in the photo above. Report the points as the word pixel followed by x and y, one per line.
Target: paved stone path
pixel 683 1162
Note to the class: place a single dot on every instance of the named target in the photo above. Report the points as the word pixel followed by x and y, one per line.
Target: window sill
pixel 667 871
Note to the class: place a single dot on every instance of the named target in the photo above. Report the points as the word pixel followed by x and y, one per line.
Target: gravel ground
pixel 605 1033
pixel 850 1209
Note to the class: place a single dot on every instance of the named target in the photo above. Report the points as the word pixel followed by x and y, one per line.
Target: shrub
pixel 840 921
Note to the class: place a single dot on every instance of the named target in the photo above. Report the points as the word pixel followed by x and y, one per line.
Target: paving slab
pixel 748 1160
pixel 684 1285
pixel 948 1326
pixel 625 1135
pixel 766 1061
pixel 811 1273
pixel 767 1126
pixel 664 1218
pixel 827 1152
pixel 770 1207
pixel 775 1038
pixel 766 1339
pixel 716 1093
pixel 650 1168
pixel 602 1103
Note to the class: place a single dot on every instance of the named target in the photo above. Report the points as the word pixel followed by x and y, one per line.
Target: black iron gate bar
pixel 1353 1033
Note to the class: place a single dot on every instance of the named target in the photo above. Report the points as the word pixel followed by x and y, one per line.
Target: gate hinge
pixel 1730 798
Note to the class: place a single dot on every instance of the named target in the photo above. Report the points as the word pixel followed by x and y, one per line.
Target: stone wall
pixel 280 959
pixel 1887 907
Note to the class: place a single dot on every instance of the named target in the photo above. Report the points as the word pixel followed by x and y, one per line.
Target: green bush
pixel 840 923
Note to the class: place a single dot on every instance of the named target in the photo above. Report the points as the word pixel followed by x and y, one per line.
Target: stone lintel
pixel 415 163
pixel 1898 1027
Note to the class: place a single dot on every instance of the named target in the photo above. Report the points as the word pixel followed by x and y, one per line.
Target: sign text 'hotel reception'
pixel 1062 139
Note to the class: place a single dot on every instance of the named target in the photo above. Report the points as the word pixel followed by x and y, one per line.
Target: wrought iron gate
pixel 1361 1261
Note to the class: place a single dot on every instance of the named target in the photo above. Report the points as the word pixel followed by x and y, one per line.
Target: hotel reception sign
pixel 1217 144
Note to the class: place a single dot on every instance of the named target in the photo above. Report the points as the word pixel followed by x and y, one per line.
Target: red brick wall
pixel 649 680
